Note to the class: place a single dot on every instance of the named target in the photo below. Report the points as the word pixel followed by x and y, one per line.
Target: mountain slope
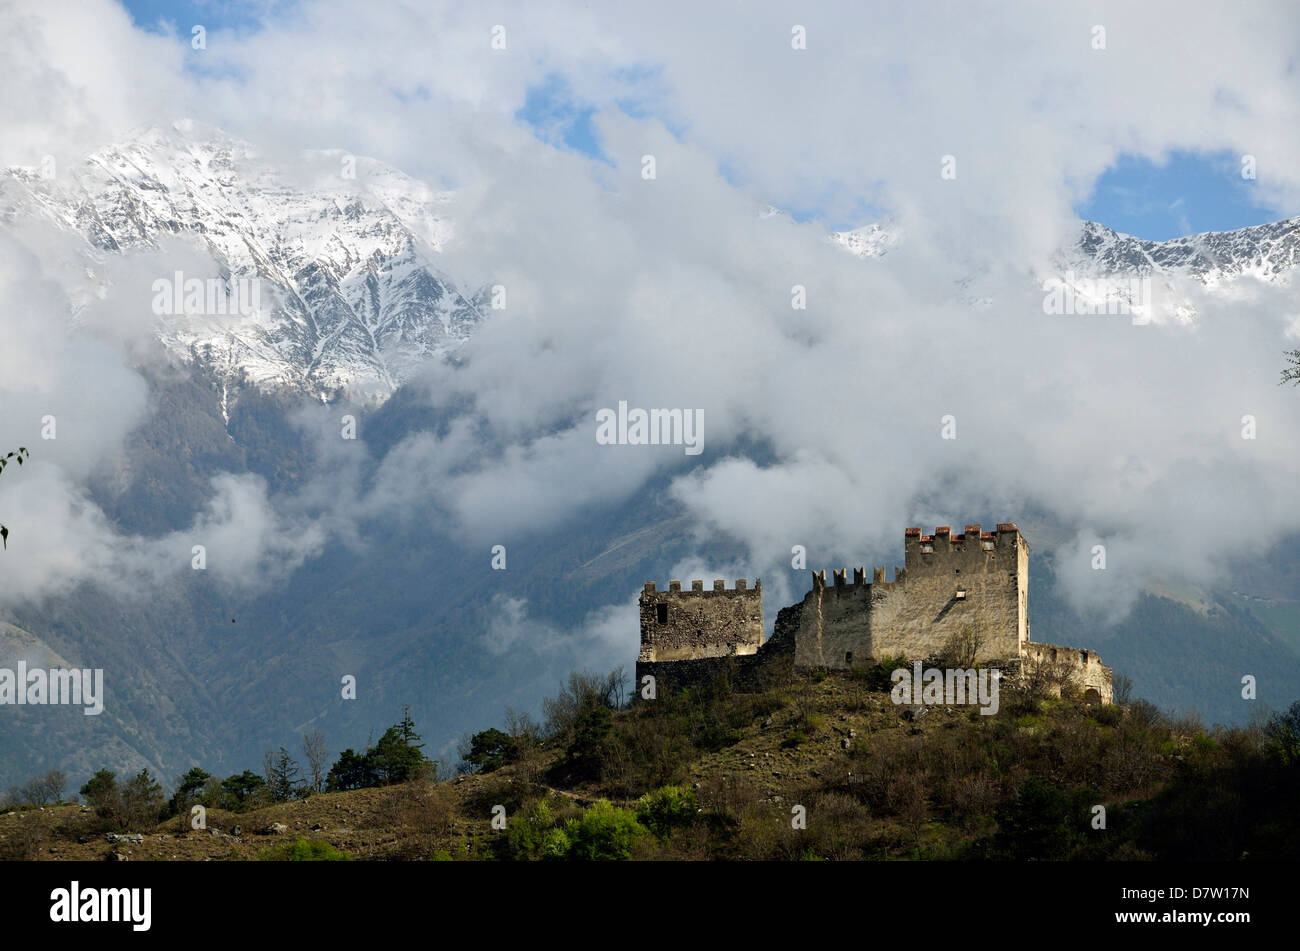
pixel 345 250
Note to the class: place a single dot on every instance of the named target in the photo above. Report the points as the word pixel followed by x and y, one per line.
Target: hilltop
pixel 716 773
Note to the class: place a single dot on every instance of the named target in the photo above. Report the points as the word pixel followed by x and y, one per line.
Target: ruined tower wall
pixel 1083 667
pixel 689 625
pixel 975 582
pixel 954 585
pixel 833 629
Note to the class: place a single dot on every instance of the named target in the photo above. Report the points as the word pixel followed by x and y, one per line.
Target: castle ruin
pixel 958 595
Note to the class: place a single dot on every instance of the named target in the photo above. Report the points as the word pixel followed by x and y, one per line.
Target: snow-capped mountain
pixel 872 241
pixel 343 250
pixel 330 263
pixel 1265 252
pixel 1106 271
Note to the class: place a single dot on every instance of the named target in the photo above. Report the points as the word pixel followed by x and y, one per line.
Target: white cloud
pixel 674 293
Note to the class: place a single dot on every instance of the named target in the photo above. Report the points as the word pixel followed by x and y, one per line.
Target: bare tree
pixel 1123 690
pixel 523 729
pixel 616 686
pixel 584 689
pixel 317 754
pixel 962 648
pixel 39 790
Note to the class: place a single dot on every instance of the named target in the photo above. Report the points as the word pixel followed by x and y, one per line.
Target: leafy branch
pixel 18 455
pixel 1292 373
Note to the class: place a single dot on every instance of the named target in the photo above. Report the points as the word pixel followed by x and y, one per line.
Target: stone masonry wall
pixel 687 625
pixel 975 582
pixel 771 664
pixel 1084 667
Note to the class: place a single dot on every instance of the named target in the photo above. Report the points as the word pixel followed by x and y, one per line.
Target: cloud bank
pixel 823 425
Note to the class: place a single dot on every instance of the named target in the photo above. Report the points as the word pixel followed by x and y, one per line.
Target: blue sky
pixel 1187 193
pixel 211 14
pixel 1184 194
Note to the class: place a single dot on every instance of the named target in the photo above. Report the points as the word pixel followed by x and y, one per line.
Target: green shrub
pixel 603 833
pixel 526 833
pixel 794 739
pixel 667 808
pixel 1108 716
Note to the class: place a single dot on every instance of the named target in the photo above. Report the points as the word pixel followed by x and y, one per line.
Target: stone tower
pixel 686 625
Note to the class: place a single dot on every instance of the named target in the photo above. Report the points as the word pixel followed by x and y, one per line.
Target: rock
pixel 134 838
pixel 767 723
pixel 276 828
pixel 846 744
pixel 235 831
pixel 317 827
pixel 853 734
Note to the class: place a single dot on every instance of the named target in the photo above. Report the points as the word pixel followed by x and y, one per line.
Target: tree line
pixel 139 802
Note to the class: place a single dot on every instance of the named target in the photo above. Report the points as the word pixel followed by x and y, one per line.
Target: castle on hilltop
pixel 958 596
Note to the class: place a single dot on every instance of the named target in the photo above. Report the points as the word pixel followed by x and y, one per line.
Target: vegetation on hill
pixel 820 767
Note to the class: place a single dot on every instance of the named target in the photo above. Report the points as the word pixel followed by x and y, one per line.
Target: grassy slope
pixel 874 786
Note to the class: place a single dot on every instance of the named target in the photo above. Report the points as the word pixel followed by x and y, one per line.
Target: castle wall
pixel 687 625
pixel 975 582
pixel 834 622
pixel 771 664
pixel 1083 667
pixel 952 587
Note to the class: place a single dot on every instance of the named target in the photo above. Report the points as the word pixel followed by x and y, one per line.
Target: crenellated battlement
pixel 697 587
pixel 963 591
pixel 840 577
pixel 690 624
pixel 920 550
pixel 952 584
